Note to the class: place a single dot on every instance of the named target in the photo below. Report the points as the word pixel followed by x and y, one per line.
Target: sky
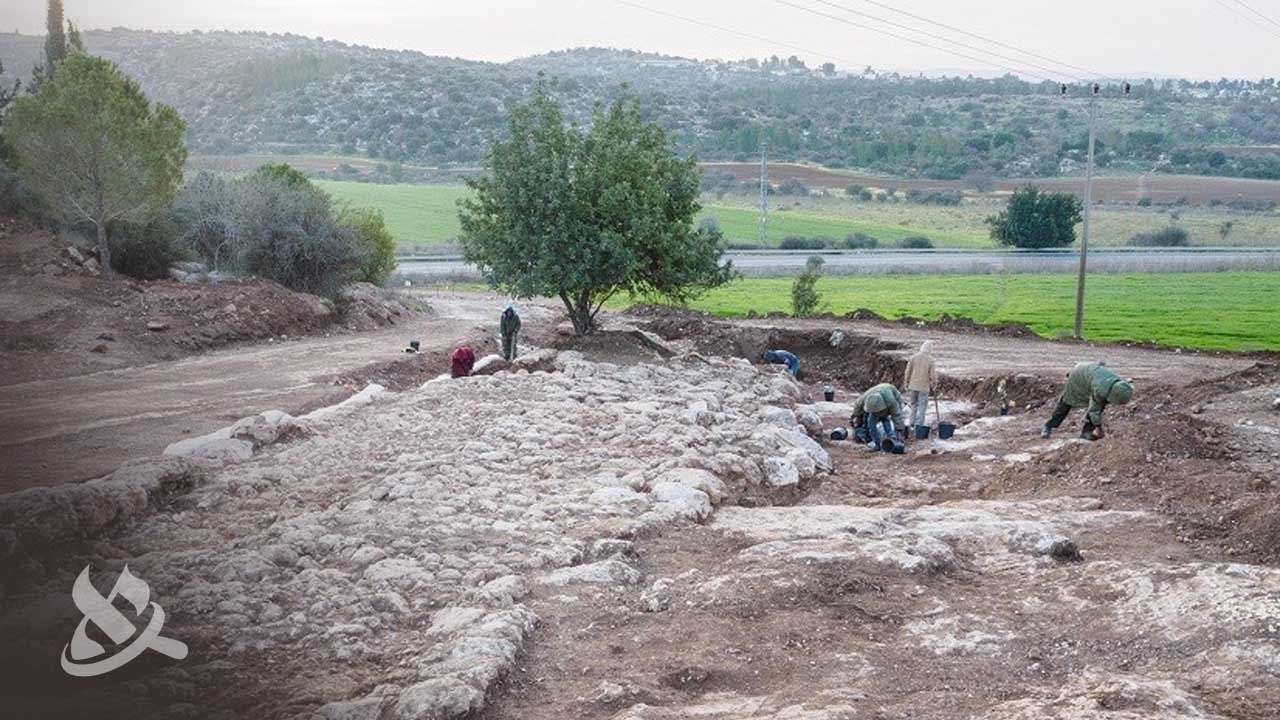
pixel 1118 38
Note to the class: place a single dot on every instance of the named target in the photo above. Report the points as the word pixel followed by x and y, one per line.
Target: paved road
pixel 944 261
pixel 77 428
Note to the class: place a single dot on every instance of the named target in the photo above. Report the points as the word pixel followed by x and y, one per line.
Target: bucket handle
pixel 937 411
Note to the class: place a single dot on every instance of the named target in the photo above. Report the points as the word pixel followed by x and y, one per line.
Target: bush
pixel 791 186
pixel 1165 237
pixel 853 190
pixel 916 242
pixel 205 213
pixel 804 292
pixel 796 242
pixel 146 252
pixel 1036 219
pixel 949 198
pixel 1144 202
pixel 291 235
pixel 861 241
pixel 376 245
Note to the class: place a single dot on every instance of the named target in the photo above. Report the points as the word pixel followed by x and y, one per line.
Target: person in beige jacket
pixel 922 373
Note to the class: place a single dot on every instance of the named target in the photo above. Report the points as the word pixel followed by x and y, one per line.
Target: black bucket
pixel 890 445
pixel 840 434
pixel 829 395
pixel 414 345
pixel 922 432
pixel 946 430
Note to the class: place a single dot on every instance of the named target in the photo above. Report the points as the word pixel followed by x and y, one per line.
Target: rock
pixel 100 348
pixel 697 479
pixel 780 472
pixel 606 548
pixel 539 360
pixel 781 417
pixel 438 699
pixel 369 708
pixel 157 326
pixel 398 572
pixel 658 597
pixel 811 421
pixel 695 503
pixel 609 572
pixel 490 364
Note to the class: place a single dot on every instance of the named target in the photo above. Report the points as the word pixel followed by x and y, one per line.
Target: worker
pixel 461 362
pixel 782 357
pixel 921 375
pixel 509 326
pixel 1091 385
pixel 879 411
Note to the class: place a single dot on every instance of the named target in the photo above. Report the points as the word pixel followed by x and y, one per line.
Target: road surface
pixel 940 261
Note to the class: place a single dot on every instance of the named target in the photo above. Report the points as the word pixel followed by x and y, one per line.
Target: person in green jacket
pixel 874 409
pixel 1094 386
pixel 509 328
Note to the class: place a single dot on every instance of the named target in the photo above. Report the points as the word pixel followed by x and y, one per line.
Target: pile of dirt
pixel 60 317
pixel 1187 467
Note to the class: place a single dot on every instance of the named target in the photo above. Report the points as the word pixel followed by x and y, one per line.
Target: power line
pixel 739 33
pixel 891 23
pixel 904 38
pixel 993 41
pixel 1248 7
pixel 1247 18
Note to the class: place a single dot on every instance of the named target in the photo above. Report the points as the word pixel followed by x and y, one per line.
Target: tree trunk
pixel 579 313
pixel 104 252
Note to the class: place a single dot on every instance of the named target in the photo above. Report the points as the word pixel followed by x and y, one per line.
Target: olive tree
pixel 585 214
pixel 93 148
pixel 1036 219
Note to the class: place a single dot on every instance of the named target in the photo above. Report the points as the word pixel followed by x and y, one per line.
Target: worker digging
pixel 1093 386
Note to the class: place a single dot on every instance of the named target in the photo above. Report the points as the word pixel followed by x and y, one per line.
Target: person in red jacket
pixel 461 362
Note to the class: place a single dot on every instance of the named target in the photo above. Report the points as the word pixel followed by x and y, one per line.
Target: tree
pixel 95 150
pixel 583 215
pixel 1036 219
pixel 804 293
pixel 57 44
pixel 205 212
pixel 377 246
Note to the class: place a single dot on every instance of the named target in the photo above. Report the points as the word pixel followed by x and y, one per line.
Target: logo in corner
pixel 85 657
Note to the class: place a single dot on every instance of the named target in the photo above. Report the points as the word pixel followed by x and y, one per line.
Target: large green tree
pixel 583 215
pixel 94 149
pixel 1036 219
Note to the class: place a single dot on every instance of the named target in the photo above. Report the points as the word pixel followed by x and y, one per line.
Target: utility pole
pixel 1088 210
pixel 764 192
pixel 1094 89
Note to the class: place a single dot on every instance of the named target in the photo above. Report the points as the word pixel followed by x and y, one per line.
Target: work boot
pixel 1047 432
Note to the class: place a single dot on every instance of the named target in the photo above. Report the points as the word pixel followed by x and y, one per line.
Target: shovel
pixel 945 429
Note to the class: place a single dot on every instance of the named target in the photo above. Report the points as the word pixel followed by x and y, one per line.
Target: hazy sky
pixel 1189 38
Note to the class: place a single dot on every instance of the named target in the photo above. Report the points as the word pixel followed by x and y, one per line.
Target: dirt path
pixel 77 428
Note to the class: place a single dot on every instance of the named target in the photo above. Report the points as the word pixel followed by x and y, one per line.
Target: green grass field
pixel 415 214
pixel 1219 311
pixel 427 215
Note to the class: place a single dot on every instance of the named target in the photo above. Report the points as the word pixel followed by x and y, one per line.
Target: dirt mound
pixel 59 317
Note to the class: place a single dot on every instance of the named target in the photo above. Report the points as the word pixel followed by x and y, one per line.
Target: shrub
pixel 795 242
pixel 291 235
pixel 791 186
pixel 915 242
pixel 1144 202
pixel 146 252
pixel 935 197
pixel 853 190
pixel 1036 219
pixel 860 241
pixel 376 245
pixel 804 292
pixel 205 213
pixel 1165 237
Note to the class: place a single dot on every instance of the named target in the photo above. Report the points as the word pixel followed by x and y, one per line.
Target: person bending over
pixel 1089 385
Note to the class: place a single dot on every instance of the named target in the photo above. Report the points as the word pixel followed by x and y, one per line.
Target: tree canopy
pixel 1036 219
pixel 94 149
pixel 582 215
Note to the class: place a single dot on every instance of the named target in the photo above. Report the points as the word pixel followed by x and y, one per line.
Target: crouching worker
pixel 782 357
pixel 461 362
pixel 1094 386
pixel 878 415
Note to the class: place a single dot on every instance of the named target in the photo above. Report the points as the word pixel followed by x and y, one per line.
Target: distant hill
pixel 257 92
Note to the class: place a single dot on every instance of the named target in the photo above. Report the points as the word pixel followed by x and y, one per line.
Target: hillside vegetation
pixel 255 92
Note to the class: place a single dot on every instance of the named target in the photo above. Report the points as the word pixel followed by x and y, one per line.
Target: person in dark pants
pixel 878 414
pixel 509 327
pixel 1090 385
pixel 782 357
